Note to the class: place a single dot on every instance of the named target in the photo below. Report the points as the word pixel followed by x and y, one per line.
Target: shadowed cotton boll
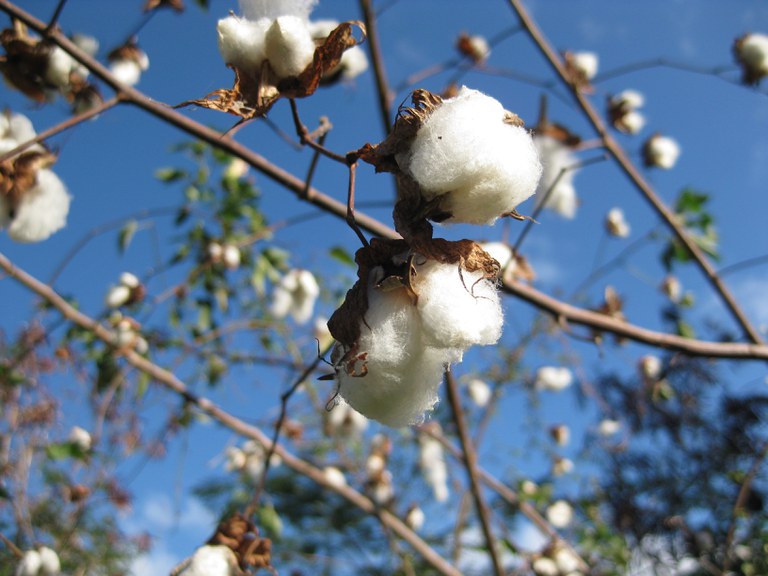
pixel 42 209
pixel 752 53
pixel 468 150
pixel 458 308
pixel 661 152
pixel 296 295
pixel 555 156
pixel 289 46
pixel 29 565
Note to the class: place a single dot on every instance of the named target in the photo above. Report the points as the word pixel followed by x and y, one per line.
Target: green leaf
pixel 126 235
pixel 685 330
pixel 169 175
pixel 142 385
pixel 64 450
pixel 341 255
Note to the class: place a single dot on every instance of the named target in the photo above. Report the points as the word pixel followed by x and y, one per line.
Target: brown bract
pixel 255 91
pixel 177 5
pixel 576 75
pixel 241 536
pixel 19 174
pixel 25 61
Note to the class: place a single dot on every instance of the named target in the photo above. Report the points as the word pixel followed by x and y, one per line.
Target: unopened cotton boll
pixel 289 46
pixel 560 514
pixel 42 209
pixel 553 378
pixel 212 560
pixel 661 152
pixel 295 295
pixel 556 189
pixel 616 224
pixel 458 308
pixel 467 152
pixel 242 42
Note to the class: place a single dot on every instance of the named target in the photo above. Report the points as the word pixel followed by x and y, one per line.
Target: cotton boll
pixel 630 99
pixel 556 157
pixel 117 296
pixel 457 308
pixel 381 489
pixel 480 392
pixel 560 514
pixel 30 563
pixel 60 66
pixel 334 477
pixel 50 565
pixel 586 63
pixel 567 562
pixel 561 434
pixel 608 427
pixel 242 42
pixel 235 459
pixel 414 518
pixel 42 210
pixel 289 46
pixel 562 466
pixel 212 560
pixel 616 224
pixel 432 463
pixel 752 53
pixel 672 288
pixel 231 256
pixel 545 567
pixel 466 151
pixel 650 367
pixel 295 295
pixel 346 420
pixel 80 437
pixel 553 378
pixel 632 122
pixel 126 72
pixel 256 9
pixel 661 152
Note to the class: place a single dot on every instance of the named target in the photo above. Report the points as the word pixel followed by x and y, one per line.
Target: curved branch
pixel 631 171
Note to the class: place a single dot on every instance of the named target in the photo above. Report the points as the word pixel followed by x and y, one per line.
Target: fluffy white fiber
pixel 661 151
pixel 256 9
pixel 553 378
pixel 753 50
pixel 466 151
pixel 42 210
pixel 458 308
pixel 616 223
pixel 289 46
pixel 432 463
pixel 212 561
pixel 295 295
pixel 586 63
pixel 556 156
pixel 241 41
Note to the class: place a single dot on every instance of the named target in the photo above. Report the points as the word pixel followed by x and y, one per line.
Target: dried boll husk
pixel 413 311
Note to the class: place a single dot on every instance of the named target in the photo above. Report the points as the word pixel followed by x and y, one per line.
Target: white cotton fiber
pixel 753 50
pixel 555 156
pixel 127 72
pixel 256 9
pixel 466 150
pixel 289 46
pixel 19 128
pixel 212 561
pixel 42 210
pixel 241 41
pixel 458 309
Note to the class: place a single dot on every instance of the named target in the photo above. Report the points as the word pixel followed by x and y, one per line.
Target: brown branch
pixel 601 322
pixel 634 175
pixel 470 464
pixel 170 381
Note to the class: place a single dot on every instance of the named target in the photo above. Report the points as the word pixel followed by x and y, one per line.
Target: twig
pixel 470 464
pixel 306 138
pixel 56 14
pixel 15 550
pixel 634 175
pixel 170 381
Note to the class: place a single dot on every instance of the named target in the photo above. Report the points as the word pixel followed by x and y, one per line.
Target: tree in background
pixel 459 367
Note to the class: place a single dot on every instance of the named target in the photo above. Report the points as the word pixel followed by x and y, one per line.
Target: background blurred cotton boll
pixel 553 378
pixel 50 565
pixel 586 63
pixel 556 190
pixel 212 561
pixel 42 210
pixel 295 294
pixel 661 152
pixel 30 563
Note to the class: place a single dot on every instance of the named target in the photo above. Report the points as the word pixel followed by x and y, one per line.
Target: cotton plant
pixel 474 46
pixel 553 378
pixel 559 514
pixel 751 52
pixel 295 295
pixel 624 113
pixel 660 152
pixel 34 202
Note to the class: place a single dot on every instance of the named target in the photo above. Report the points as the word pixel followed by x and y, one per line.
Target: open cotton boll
pixel 432 464
pixel 616 224
pixel 50 565
pixel 553 378
pixel 458 308
pixel 42 209
pixel 586 63
pixel 752 53
pixel 556 157
pixel 212 560
pixel 29 565
pixel 289 46
pixel 126 71
pixel 353 62
pixel 256 9
pixel 295 295
pixel 560 514
pixel 242 42
pixel 661 152
pixel 466 151
pixel 480 392
pixel 60 66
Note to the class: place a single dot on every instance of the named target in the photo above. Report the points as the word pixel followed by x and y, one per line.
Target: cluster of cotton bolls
pixel 281 34
pixel 393 369
pixel 34 202
pixel 295 295
pixel 557 561
pixel 473 158
pixel 227 254
pixel 249 460
pixel 128 333
pixel 378 481
pixel 41 562
pixel 128 291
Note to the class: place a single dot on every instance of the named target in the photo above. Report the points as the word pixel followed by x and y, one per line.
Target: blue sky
pixel 108 167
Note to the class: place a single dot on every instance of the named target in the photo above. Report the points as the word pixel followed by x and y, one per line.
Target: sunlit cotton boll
pixel 623 111
pixel 586 63
pixel 480 392
pixel 661 152
pixel 295 295
pixel 616 224
pixel 545 567
pixel 556 190
pixel 212 561
pixel 50 565
pixel 334 477
pixel 553 378
pixel 117 296
pixel 393 378
pixel 128 71
pixel 80 437
pixel 256 9
pixel 42 209
pixel 752 53
pixel 231 256
pixel 458 309
pixel 608 427
pixel 289 46
pixel 466 151
pixel 242 42
pixel 415 518
pixel 560 514
pixel 30 563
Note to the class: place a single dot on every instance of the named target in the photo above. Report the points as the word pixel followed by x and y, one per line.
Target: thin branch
pixel 56 14
pixel 306 138
pixel 385 96
pixel 170 381
pixel 470 464
pixel 634 175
